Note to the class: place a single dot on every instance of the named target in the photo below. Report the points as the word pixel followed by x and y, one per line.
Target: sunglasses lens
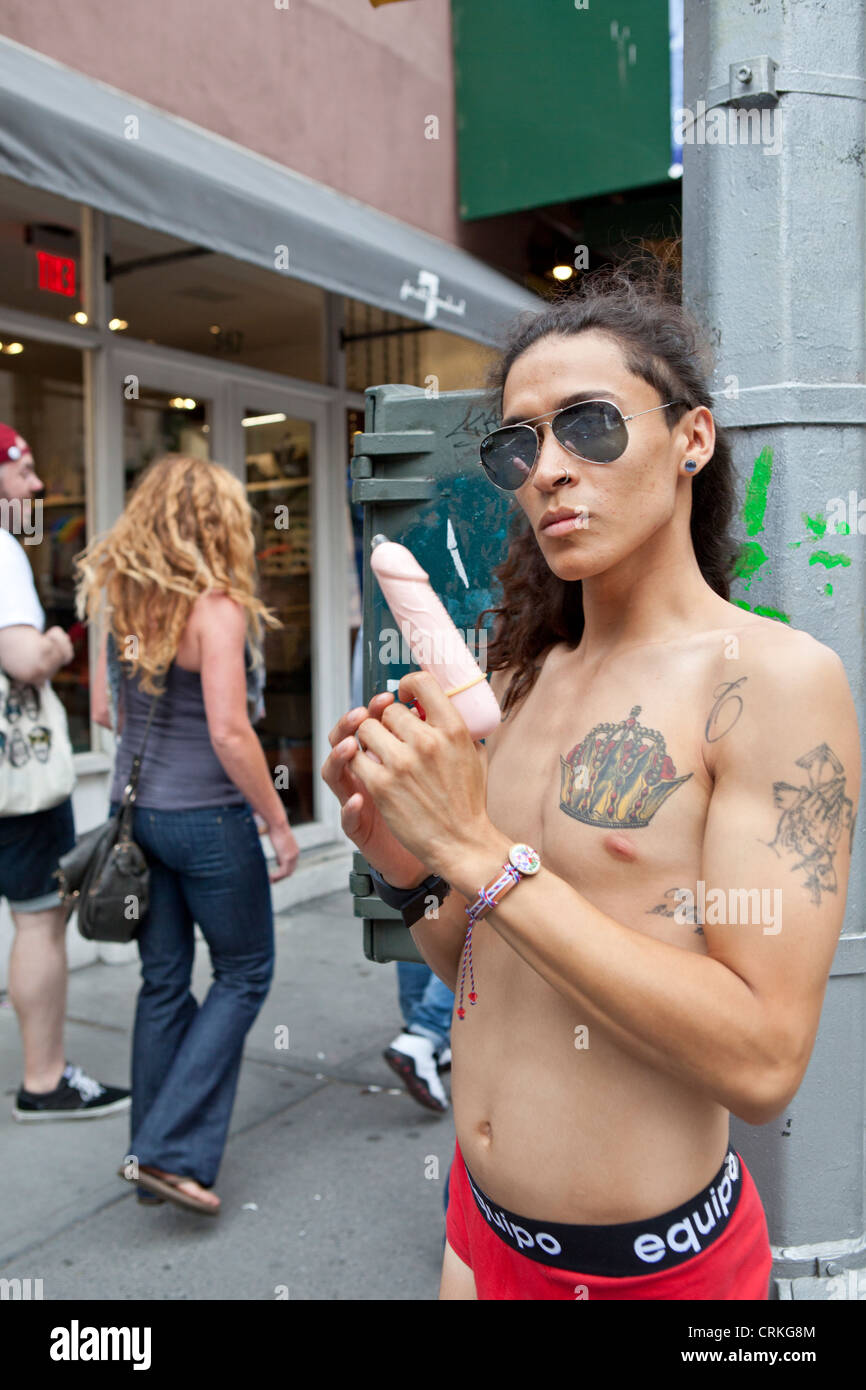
pixel 593 430
pixel 508 455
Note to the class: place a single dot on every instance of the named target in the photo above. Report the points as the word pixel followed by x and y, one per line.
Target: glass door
pixel 278 463
pixel 159 421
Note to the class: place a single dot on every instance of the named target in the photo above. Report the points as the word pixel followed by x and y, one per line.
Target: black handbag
pixel 105 875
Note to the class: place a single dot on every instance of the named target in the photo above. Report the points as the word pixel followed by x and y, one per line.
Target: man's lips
pixel 565 520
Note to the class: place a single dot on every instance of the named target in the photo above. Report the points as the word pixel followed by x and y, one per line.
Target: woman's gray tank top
pixel 180 770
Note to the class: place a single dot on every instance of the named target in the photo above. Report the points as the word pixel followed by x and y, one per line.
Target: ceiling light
pixel 79 317
pixel 14 348
pixel 117 325
pixel 189 403
pixel 262 420
pixel 215 328
pixel 562 272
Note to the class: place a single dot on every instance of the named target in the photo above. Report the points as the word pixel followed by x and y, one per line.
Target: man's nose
pixel 553 460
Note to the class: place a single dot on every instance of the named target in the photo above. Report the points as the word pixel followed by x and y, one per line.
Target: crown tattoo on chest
pixel 618 775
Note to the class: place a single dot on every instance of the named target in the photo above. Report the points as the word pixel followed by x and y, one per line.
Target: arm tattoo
pixel 724 696
pixel 814 815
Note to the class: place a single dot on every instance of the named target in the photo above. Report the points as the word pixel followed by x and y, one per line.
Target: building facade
pixel 218 227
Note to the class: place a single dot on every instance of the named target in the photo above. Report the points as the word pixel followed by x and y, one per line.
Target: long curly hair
pixel 186 530
pixel 637 304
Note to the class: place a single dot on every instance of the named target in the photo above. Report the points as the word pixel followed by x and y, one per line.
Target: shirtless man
pixel 618 1020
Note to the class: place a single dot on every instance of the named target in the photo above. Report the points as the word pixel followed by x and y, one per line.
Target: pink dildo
pixel 434 641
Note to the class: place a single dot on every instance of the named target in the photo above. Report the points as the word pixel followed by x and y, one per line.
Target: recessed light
pixel 262 420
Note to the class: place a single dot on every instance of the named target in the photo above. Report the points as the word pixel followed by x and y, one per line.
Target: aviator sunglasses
pixel 594 431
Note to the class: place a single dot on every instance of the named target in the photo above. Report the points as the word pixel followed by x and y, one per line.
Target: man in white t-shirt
pixel 30 845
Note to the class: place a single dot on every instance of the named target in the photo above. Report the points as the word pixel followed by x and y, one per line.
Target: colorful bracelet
pixel 523 861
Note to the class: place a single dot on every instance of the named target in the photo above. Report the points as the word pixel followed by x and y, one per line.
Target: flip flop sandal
pixel 149 1199
pixel 168 1189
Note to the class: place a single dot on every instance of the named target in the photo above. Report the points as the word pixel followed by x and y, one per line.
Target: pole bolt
pixel 744 74
pixel 831 1269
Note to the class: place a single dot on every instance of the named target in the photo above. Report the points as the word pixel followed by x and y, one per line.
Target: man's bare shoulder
pixel 787 684
pixel 789 658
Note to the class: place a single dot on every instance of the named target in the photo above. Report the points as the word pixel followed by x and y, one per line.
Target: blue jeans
pixel 425 1002
pixel 207 866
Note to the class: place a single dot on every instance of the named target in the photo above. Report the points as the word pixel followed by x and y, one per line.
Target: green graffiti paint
pixel 762 610
pixel 823 557
pixel 816 524
pixel 755 504
pixel 751 558
pixel 828 588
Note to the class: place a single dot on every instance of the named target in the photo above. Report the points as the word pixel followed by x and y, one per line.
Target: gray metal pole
pixel 774 265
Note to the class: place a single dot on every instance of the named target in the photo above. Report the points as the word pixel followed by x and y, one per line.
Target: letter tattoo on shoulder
pixel 718 724
pixel 814 817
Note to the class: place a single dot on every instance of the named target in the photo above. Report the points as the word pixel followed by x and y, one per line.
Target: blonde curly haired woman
pixel 173 583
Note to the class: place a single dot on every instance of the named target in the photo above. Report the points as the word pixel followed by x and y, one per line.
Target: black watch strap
pixel 435 887
pixel 411 903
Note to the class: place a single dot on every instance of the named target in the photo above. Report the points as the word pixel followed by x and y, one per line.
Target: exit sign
pixel 56 273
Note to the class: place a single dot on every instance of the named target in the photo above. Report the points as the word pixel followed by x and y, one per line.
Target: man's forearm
pixel 684 1013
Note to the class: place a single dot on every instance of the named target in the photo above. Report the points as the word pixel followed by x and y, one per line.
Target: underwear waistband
pixel 627 1248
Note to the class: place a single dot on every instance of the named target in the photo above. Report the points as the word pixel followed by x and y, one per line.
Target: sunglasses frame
pixel 560 410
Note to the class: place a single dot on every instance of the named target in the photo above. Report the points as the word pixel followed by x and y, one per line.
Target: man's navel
pixel 620 846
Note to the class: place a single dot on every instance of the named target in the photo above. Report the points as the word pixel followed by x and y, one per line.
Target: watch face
pixel 524 858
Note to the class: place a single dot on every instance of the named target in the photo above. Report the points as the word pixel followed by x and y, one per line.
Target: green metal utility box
pixel 416 471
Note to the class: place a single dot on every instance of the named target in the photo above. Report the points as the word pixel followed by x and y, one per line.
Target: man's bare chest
pixel 607 779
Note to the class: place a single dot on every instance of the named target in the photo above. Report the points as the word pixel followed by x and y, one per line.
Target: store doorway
pixel 278 458
pixel 274 437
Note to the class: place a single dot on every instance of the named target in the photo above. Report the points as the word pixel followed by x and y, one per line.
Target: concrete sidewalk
pixel 325 1183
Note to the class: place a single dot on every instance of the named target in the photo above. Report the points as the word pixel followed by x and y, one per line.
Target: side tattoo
pixel 724 695
pixel 814 815
pixel 686 911
pixel 618 775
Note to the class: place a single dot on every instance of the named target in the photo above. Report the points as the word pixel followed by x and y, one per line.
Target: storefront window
pixel 42 396
pixel 384 347
pixel 278 461
pixel 169 292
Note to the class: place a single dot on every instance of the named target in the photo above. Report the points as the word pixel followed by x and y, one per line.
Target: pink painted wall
pixel 335 89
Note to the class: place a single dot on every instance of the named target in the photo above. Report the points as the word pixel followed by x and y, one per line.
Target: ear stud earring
pixel 690 465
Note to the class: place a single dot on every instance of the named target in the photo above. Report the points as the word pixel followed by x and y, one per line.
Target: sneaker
pixel 443 1059
pixel 77 1097
pixel 414 1060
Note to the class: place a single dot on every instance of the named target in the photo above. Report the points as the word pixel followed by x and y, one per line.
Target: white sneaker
pixel 443 1059
pixel 413 1058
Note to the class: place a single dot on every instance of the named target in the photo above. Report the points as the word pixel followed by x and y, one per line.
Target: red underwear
pixel 715 1246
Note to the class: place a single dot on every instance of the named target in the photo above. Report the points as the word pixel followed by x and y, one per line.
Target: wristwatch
pixel 522 861
pixel 411 903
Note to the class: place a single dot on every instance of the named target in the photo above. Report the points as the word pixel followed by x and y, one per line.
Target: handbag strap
pixel 134 771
